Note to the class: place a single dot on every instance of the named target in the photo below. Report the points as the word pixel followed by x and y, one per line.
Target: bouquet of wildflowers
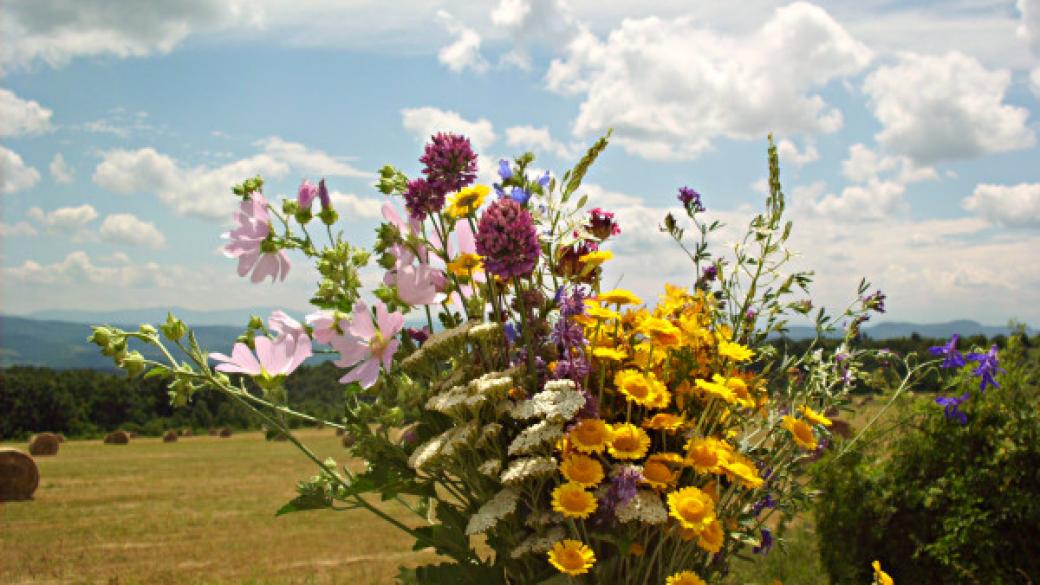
pixel 542 427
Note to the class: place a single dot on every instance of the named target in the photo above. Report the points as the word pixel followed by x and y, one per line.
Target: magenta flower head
pixel 507 239
pixel 306 194
pixel 691 200
pixel 420 198
pixel 602 225
pixel 450 163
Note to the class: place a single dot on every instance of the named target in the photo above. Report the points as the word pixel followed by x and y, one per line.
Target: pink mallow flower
pixel 328 325
pixel 416 284
pixel 285 326
pixel 368 344
pixel 306 194
pixel 273 359
pixel 249 242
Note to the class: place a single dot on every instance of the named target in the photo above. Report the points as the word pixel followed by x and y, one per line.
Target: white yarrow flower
pixel 645 507
pixel 498 507
pixel 558 404
pixel 535 436
pixel 521 469
pixel 490 467
pixel 535 544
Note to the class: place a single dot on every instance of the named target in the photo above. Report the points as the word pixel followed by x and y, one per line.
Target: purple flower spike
pixel 951 407
pixel 710 273
pixel 504 170
pixel 952 357
pixel 767 543
pixel 987 369
pixel 622 489
pixel 323 195
pixel 691 200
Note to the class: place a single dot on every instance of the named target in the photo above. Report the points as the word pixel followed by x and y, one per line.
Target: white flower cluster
pixel 443 445
pixel 455 401
pixel 498 507
pixel 538 544
pixel 491 467
pixel 645 507
pixel 485 331
pixel 536 435
pixel 559 401
pixel 527 467
pixel 494 384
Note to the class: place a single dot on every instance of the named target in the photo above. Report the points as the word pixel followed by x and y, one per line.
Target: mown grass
pixel 201 511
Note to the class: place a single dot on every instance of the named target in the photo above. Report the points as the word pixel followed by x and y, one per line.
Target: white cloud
pixel 1034 82
pixel 14 174
pixel 426 121
pixel 789 153
pixel 77 268
pixel 125 228
pixel 864 164
pixel 539 140
pixel 1007 205
pixel 351 206
pixel 670 87
pixel 1029 28
pixel 21 228
pixel 873 201
pixel 60 170
pixel 63 219
pixel 464 52
pixel 121 123
pixel 18 116
pixel 934 108
pixel 55 32
pixel 528 21
pixel 203 191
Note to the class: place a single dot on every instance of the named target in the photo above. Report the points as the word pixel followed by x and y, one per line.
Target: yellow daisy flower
pixel 592 260
pixel 881 577
pixel 609 353
pixel 717 388
pixel 662 331
pixel 734 351
pixel 571 500
pixel 466 201
pixel 712 537
pixel 465 264
pixel 706 455
pixel 664 421
pixel 684 578
pixel 802 432
pixel 742 469
pixel 693 508
pixel 582 470
pixel 637 550
pixel 572 557
pixel 599 313
pixel 590 435
pixel 814 417
pixel 630 442
pixel 618 296
pixel 638 387
pixel 657 474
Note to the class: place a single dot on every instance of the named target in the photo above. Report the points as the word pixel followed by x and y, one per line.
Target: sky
pixel 907 134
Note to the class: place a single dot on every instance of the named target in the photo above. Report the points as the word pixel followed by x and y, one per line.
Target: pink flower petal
pixel 388 353
pixel 267 266
pixel 361 324
pixel 268 354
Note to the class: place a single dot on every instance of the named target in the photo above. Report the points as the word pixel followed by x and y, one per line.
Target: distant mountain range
pixel 62 344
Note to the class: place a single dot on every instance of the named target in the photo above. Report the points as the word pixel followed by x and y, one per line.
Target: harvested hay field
pixel 195 512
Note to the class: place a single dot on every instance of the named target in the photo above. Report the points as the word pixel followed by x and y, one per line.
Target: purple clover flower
pixel 420 198
pixel 710 273
pixel 875 301
pixel 691 200
pixel 507 239
pixel 951 357
pixel 988 366
pixel 450 163
pixel 951 407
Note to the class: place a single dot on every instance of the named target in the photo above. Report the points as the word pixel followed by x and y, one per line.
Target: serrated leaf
pixel 312 501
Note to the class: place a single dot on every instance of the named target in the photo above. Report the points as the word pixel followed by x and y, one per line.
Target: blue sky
pixel 908 133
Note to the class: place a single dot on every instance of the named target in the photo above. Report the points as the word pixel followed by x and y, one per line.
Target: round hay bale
pixel 117 438
pixel 339 432
pixel 214 432
pixel 133 434
pixel 19 476
pixel 61 438
pixel 348 440
pixel 225 433
pixel 44 444
pixel 170 436
pixel 188 433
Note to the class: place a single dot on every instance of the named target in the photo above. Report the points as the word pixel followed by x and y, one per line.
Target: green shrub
pixel 938 502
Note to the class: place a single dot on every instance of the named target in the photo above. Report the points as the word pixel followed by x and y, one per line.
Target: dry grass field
pixel 197 511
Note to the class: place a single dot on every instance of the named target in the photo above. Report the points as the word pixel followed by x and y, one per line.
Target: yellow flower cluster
pixel 674 391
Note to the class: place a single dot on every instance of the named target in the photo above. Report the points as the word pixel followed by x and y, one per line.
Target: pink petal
pixel 302 352
pixel 247 261
pixel 361 325
pixel 388 353
pixel 242 356
pixel 464 235
pixel 283 264
pixel 390 214
pixel 267 266
pixel 268 354
pixel 367 373
pixel 351 351
pixel 389 323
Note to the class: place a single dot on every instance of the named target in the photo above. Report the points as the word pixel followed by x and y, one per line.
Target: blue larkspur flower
pixel 504 170
pixel 988 366
pixel 951 357
pixel 766 544
pixel 951 407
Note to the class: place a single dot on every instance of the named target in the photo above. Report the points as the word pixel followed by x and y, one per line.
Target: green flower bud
pixel 147 329
pixel 174 329
pixel 255 322
pixel 133 363
pixel 328 216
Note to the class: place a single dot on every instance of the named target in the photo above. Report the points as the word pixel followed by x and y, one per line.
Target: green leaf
pixel 310 501
pixel 458 573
